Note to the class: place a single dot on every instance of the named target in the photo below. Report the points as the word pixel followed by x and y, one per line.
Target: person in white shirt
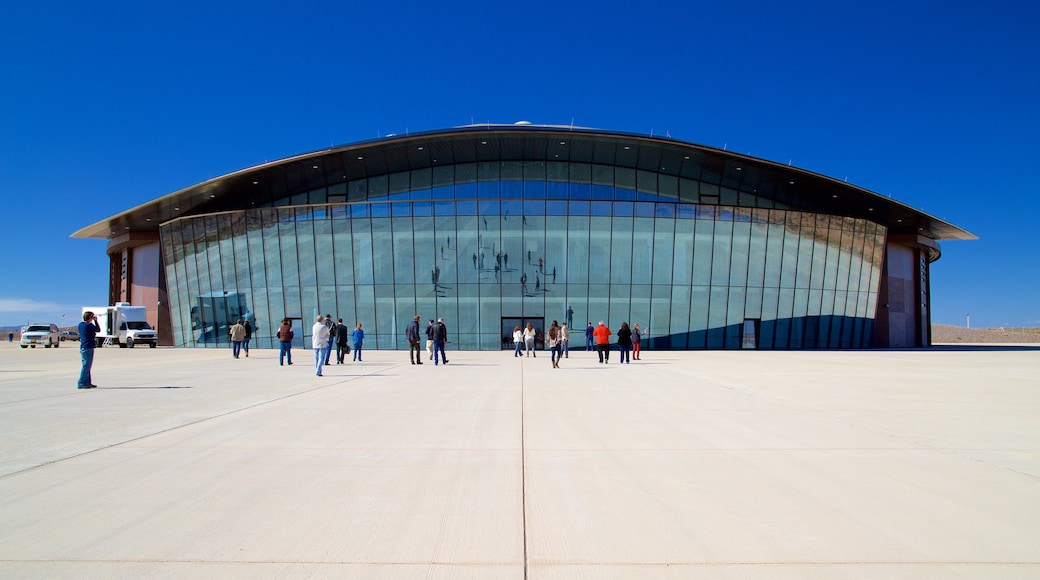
pixel 320 343
pixel 529 334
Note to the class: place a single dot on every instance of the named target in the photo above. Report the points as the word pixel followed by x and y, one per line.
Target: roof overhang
pixel 258 185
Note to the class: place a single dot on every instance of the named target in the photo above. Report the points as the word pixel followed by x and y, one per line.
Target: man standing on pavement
pixel 411 333
pixel 602 334
pixel 440 336
pixel 320 342
pixel 88 330
pixel 588 336
pixel 342 338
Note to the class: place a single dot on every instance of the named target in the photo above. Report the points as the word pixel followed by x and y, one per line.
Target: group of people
pixel 558 341
pixel 241 333
pixel 436 338
pixel 629 341
pixel 325 333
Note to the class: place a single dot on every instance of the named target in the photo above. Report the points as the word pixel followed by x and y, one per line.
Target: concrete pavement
pixel 189 463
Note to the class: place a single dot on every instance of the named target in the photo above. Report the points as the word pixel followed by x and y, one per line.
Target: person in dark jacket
pixel 411 333
pixel 88 330
pixel 440 337
pixel 249 336
pixel 342 340
pixel 637 341
pixel 624 341
pixel 588 336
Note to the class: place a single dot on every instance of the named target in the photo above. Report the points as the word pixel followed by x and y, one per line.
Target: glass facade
pixel 696 264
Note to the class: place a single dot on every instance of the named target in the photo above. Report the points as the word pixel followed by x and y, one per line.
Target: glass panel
pixel 599 250
pixel 721 250
pixel 621 251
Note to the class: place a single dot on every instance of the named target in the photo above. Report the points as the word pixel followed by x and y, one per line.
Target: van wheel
pixel 153 345
pixel 24 345
pixel 48 345
pixel 129 342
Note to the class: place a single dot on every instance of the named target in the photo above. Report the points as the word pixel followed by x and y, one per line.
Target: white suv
pixel 45 334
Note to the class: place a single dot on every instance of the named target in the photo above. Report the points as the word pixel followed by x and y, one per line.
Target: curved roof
pixel 789 187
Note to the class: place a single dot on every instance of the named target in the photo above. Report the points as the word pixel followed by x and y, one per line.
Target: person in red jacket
pixel 602 336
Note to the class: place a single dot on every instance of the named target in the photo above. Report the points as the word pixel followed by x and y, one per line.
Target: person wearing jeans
pixel 320 343
pixel 88 330
pixel 440 336
pixel 285 336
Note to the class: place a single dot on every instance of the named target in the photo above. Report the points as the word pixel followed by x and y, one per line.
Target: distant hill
pixel 944 334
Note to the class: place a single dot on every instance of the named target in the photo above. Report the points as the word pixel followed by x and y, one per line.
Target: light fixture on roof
pixel 314 167
pixel 563 142
pixel 255 182
pixel 360 157
pixel 834 195
pixel 420 147
pixel 627 147
pixel 740 169
pixel 483 142
pixel 686 157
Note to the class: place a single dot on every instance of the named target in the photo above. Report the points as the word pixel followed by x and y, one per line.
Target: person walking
pixel 529 334
pixel 237 332
pixel 248 337
pixel 637 339
pixel 411 333
pixel 440 337
pixel 358 337
pixel 331 326
pixel 518 339
pixel 565 341
pixel 285 336
pixel 588 336
pixel 624 341
pixel 429 339
pixel 320 343
pixel 554 344
pixel 88 331
pixel 602 335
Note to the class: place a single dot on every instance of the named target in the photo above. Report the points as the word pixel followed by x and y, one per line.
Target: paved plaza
pixel 187 463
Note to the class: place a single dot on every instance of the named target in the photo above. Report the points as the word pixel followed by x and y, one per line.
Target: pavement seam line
pixel 203 420
pixel 523 465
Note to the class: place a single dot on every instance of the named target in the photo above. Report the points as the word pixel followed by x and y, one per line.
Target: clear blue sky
pixel 107 106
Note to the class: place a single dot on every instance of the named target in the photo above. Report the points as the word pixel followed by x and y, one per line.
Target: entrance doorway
pixel 749 336
pixel 511 322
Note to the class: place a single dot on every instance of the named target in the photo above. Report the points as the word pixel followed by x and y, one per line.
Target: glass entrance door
pixel 511 322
